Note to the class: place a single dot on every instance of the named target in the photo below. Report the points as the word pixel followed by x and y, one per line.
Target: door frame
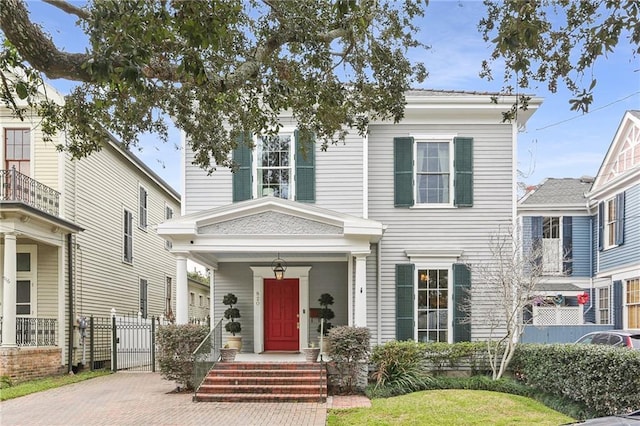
pixel 259 274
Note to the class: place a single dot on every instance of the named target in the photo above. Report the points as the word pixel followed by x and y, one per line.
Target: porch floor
pixel 274 357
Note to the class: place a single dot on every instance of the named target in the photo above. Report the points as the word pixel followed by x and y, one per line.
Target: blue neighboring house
pixel 590 232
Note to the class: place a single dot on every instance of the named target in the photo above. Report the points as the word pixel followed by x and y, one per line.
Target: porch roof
pixel 256 229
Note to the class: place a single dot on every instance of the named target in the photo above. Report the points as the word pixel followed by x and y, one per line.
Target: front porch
pixel 323 252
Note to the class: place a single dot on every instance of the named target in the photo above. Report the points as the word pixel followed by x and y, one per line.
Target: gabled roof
pixel 558 193
pixel 621 164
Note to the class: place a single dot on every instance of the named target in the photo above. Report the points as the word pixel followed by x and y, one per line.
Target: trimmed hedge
pixel 606 379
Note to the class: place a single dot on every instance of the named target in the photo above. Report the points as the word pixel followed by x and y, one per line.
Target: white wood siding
pixel 106 185
pixel 338 180
pixel 47 281
pixel 467 229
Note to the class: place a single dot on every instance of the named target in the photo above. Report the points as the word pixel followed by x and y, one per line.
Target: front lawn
pixel 26 388
pixel 450 407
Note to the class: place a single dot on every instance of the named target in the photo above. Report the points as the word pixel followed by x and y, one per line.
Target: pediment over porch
pixel 256 229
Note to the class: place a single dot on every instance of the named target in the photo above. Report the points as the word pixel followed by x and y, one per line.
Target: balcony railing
pixel 35 331
pixel 15 186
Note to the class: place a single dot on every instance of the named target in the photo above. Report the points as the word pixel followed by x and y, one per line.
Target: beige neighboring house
pixel 199 302
pixel 77 239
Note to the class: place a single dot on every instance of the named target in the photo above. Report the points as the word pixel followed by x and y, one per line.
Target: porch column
pixel 360 317
pixel 182 291
pixel 9 292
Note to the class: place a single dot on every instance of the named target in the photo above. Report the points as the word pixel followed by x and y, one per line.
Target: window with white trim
pixel 610 223
pixel 192 299
pixel 433 166
pixel 168 214
pixel 127 241
pixel 433 305
pixel 143 199
pixel 604 315
pixel 274 165
pixel 633 303
pixel 551 245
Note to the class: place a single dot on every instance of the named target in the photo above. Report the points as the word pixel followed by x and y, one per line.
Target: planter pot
pixel 235 342
pixel 228 354
pixel 311 354
pixel 325 345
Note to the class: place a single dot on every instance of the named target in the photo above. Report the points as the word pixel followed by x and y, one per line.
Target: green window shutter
pixel 305 167
pixel 242 176
pixel 463 165
pixel 403 171
pixel 404 301
pixel 461 295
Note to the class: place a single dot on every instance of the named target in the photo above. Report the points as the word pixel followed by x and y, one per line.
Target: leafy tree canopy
pixel 557 41
pixel 218 68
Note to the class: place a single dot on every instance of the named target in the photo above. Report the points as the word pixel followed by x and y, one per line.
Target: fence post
pixel 114 345
pixel 153 344
pixel 91 343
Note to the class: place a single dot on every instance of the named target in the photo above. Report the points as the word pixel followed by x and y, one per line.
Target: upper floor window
pixel 611 222
pixel 274 165
pixel 127 231
pixel 433 171
pixel 168 214
pixel 433 177
pixel 281 165
pixel 17 150
pixel 551 245
pixel 142 207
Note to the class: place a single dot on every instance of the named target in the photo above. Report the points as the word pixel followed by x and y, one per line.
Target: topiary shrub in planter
pixel 233 326
pixel 176 344
pixel 348 348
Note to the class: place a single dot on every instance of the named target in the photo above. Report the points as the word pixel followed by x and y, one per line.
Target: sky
pixel 556 143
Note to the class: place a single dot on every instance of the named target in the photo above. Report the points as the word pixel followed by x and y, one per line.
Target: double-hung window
pixel 168 214
pixel 127 233
pixel 17 153
pixel 274 165
pixel 604 316
pixel 281 165
pixel 433 171
pixel 611 222
pixel 143 196
pixel 633 303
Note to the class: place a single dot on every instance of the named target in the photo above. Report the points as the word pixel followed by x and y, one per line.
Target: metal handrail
pixel 206 355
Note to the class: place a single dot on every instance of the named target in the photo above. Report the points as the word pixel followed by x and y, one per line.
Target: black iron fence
pixel 15 186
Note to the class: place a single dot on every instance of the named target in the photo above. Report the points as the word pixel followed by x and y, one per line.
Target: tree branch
pixel 69 8
pixel 36 47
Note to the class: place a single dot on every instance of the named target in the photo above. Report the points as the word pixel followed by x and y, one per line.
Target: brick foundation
pixel 24 363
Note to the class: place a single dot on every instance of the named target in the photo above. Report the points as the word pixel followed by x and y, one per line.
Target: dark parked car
pixel 622 338
pixel 631 419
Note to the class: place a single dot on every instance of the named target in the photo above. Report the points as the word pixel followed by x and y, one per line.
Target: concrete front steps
pixel 264 382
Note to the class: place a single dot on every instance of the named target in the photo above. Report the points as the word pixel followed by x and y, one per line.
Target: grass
pixel 450 407
pixel 39 385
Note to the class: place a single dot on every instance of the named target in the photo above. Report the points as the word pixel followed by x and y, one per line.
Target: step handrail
pixel 206 355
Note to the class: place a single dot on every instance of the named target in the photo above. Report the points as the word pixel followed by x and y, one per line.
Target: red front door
pixel 281 318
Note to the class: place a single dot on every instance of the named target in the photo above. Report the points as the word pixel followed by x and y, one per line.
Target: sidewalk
pixel 145 399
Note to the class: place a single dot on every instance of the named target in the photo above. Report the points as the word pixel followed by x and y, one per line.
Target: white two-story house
pixel 77 240
pixel 386 223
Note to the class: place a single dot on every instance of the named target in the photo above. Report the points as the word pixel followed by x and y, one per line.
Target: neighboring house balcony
pixel 34 331
pixel 20 188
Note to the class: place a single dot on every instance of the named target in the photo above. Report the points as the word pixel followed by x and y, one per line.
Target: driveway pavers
pixel 146 399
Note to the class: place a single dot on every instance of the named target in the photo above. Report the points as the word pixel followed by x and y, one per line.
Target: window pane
pixel 23 262
pixel 433 304
pixel 23 291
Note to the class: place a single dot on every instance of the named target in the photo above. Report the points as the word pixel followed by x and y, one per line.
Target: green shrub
pixel 349 351
pixel 600 377
pixel 458 355
pixel 176 344
pixel 400 366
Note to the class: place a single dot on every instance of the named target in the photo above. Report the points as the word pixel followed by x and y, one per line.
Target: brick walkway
pixel 145 399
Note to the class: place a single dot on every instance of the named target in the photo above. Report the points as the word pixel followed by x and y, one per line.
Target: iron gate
pixel 122 343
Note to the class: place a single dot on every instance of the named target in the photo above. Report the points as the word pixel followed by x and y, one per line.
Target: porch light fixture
pixel 279 266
